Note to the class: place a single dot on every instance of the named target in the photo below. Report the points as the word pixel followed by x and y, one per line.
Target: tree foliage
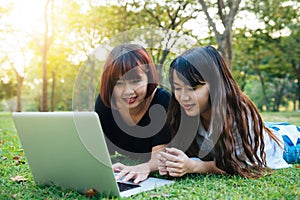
pixel 66 59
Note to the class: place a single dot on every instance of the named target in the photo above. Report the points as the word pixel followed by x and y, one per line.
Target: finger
pixel 122 173
pixel 172 169
pixel 128 177
pixel 175 174
pixel 160 164
pixel 117 167
pixel 174 151
pixel 161 167
pixel 161 159
pixel 170 157
pixel 172 164
pixel 162 171
pixel 140 178
pixel 159 156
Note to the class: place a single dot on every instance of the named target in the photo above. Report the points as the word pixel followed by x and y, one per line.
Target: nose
pixel 128 89
pixel 185 96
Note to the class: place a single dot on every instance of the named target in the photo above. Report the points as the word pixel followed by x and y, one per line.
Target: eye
pixel 135 81
pixel 198 86
pixel 177 88
pixel 120 83
pixel 192 88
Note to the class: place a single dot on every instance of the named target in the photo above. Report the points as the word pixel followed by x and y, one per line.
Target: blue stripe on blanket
pixel 291 138
pixel 287 140
pixel 291 132
pixel 273 125
pixel 270 124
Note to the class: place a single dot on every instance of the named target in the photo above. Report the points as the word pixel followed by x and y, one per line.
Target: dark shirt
pixel 136 141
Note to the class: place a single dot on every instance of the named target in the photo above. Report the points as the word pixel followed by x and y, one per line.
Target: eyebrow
pixel 177 84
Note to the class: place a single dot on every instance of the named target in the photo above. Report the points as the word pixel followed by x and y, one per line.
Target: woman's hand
pixel 161 164
pixel 175 163
pixel 138 173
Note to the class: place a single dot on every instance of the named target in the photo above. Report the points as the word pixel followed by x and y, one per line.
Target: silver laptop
pixel 68 149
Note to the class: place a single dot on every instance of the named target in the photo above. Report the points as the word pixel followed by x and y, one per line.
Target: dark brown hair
pixel 234 115
pixel 122 59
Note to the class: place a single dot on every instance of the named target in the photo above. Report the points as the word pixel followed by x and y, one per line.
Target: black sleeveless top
pixel 138 140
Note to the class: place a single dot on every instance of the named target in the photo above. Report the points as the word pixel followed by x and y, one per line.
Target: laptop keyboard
pixel 126 186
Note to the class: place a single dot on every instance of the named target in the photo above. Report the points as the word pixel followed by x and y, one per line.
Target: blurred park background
pixel 48 57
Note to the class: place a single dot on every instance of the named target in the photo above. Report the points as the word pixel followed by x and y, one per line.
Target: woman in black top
pixel 132 110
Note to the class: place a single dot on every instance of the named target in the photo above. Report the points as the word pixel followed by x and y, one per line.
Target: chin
pixel 191 113
pixel 134 105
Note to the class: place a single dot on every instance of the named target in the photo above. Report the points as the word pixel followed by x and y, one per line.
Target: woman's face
pixel 131 92
pixel 195 101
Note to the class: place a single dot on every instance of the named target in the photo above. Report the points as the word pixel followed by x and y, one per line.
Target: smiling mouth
pixel 188 106
pixel 130 100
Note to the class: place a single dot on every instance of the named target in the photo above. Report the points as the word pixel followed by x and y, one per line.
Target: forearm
pixel 151 164
pixel 205 167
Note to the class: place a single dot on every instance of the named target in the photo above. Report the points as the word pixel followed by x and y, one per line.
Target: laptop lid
pixel 68 149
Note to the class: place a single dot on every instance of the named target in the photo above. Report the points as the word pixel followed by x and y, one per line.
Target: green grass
pixel 281 184
pixel 291 117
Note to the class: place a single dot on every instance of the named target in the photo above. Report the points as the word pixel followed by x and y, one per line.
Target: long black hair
pixel 236 127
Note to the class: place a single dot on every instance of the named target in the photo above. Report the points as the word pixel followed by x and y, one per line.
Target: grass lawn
pixel 290 117
pixel 281 184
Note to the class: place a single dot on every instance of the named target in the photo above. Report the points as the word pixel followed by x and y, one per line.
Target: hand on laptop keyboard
pixel 137 173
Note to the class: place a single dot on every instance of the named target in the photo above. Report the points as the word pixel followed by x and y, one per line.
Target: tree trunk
pixel 171 28
pixel 262 82
pixel 19 92
pixel 45 48
pixel 279 95
pixel 20 80
pixel 45 84
pixel 225 47
pixel 298 85
pixel 294 105
pixel 297 70
pixel 53 90
pixel 91 88
pixel 226 12
pixel 159 66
